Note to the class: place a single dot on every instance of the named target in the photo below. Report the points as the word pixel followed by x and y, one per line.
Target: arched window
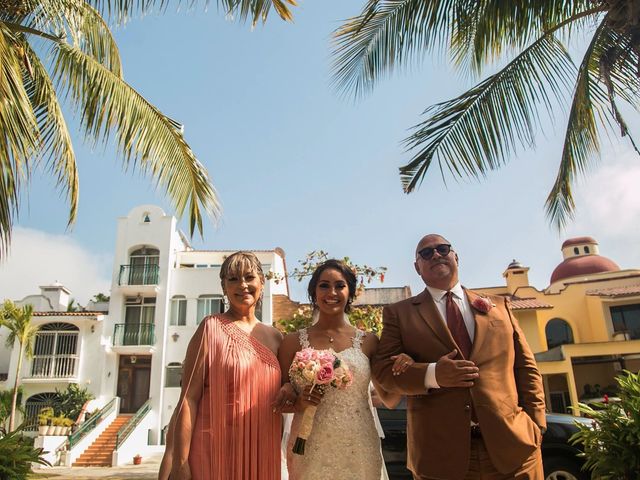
pixel 34 404
pixel 174 375
pixel 586 250
pixel 576 250
pixel 558 332
pixel 55 351
pixel 178 310
pixel 143 266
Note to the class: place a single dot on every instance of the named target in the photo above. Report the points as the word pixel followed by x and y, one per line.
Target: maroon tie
pixel 457 327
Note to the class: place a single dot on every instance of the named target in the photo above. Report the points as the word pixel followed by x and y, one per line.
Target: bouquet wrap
pixel 305 430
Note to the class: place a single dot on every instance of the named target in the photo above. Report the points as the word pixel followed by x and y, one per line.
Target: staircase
pixel 100 452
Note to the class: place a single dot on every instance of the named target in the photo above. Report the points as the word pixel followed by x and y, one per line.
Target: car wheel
pixel 558 468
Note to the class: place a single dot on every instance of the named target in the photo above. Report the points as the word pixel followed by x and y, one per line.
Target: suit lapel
pixel 431 316
pixel 482 323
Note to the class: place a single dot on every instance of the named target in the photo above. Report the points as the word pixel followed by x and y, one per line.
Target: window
pixel 55 351
pixel 209 304
pixel 576 250
pixel 178 310
pixel 144 266
pixel 139 310
pixel 34 404
pixel 174 375
pixel 558 332
pixel 586 250
pixel 626 319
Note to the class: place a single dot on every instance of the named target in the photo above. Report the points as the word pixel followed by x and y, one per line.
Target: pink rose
pixel 326 357
pixel 304 355
pixel 482 304
pixel 325 374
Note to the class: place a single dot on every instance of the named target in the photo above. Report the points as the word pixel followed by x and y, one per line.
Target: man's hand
pixel 455 373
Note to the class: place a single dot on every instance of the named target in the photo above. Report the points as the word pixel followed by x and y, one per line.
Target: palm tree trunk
pixel 14 400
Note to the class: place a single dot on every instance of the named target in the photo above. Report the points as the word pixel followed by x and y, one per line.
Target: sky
pixel 300 166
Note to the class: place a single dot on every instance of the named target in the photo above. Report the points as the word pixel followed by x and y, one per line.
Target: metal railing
pixel 130 426
pixel 146 274
pixel 54 366
pixel 91 423
pixel 125 334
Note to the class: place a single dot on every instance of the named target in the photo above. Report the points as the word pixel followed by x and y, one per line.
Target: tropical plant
pixel 17 454
pixel 18 321
pixel 69 402
pixel 100 297
pixel 480 129
pixel 6 398
pixel 54 49
pixel 612 444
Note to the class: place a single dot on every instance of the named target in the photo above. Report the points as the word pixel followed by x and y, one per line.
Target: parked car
pixel 558 455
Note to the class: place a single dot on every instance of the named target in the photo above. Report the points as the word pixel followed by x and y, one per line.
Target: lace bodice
pixel 344 443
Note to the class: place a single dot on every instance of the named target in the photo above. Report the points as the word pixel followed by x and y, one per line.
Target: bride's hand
pixel 285 399
pixel 309 398
pixel 401 364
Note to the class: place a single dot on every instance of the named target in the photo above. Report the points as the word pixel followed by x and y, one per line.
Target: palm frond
pixel 386 34
pixel 475 132
pixel 56 148
pixel 592 95
pixel 147 139
pixel 254 10
pixel 19 138
pixel 484 30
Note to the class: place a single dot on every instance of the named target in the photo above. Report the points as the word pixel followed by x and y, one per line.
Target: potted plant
pixel 67 423
pixel 57 423
pixel 45 421
pixel 137 459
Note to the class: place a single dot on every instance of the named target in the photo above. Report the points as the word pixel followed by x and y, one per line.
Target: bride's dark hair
pixel 344 269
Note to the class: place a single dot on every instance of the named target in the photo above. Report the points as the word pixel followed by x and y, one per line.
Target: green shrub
pixel 17 454
pixel 612 444
pixel 69 402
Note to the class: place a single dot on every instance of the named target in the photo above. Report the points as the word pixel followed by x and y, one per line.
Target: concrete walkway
pixel 147 470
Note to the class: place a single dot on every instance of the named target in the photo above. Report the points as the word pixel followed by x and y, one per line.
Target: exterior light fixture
pixel 175 336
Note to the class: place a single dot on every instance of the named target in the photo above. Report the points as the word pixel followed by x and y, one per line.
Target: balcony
pixel 139 278
pixel 134 338
pixel 53 367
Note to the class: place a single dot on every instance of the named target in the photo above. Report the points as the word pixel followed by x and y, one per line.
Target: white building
pixel 130 358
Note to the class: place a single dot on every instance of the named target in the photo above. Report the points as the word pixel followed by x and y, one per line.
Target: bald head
pixel 428 239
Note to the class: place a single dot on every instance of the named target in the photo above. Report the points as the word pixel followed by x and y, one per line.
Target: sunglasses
pixel 443 250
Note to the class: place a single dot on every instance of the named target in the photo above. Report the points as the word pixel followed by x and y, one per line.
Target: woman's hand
pixel 285 400
pixel 401 364
pixel 181 472
pixel 309 398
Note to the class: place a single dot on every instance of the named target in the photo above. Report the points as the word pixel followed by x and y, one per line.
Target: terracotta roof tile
pixel 68 314
pixel 627 291
pixel 527 304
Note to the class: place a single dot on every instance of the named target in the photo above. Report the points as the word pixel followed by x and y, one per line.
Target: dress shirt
pixel 440 300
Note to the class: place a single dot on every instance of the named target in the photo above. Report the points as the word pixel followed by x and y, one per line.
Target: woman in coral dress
pixel 225 425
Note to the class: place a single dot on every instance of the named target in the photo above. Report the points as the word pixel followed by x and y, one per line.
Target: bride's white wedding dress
pixel 344 442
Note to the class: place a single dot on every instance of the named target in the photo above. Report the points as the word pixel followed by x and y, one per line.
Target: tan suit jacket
pixel 508 398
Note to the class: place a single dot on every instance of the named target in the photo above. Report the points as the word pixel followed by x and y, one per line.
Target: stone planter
pixel 43 430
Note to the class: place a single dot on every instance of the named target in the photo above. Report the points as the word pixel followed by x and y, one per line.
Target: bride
pixel 344 441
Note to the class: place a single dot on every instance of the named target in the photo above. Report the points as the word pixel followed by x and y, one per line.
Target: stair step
pixel 99 453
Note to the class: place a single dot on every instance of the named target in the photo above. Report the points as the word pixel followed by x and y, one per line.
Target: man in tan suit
pixel 475 405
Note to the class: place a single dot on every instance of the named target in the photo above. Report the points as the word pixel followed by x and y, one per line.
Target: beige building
pixel 584 328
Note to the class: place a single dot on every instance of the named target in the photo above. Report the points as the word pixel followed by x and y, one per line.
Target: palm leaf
pixel 590 97
pixel 19 139
pixel 56 147
pixel 485 29
pixel 476 131
pixel 255 10
pixel 147 139
pixel 386 33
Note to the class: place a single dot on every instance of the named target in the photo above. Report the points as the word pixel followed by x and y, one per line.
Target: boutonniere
pixel 482 304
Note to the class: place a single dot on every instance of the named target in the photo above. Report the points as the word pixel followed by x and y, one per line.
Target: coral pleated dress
pixel 237 434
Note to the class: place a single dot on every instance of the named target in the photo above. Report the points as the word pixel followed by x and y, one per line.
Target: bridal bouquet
pixel 319 369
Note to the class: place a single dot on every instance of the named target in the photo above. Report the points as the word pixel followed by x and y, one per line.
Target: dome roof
pixel 583 265
pixel 579 241
pixel 515 264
